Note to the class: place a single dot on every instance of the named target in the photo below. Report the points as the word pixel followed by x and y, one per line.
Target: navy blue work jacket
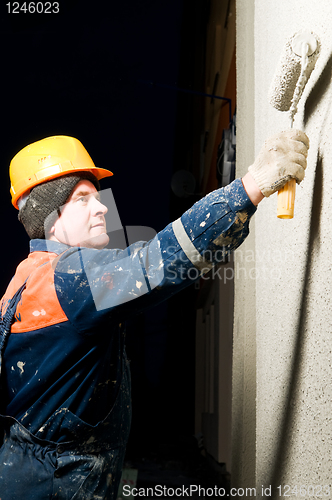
pixel 63 361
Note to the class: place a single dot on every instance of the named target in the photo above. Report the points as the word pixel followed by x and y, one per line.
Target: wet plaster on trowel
pixel 285 81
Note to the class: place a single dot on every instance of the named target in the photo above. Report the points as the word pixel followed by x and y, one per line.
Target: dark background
pixel 87 72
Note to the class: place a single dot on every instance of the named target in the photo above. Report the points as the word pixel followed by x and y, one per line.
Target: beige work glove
pixel 282 158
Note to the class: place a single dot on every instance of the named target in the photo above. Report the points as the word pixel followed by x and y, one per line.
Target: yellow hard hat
pixel 47 159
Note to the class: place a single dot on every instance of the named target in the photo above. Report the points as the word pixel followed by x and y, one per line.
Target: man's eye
pixel 82 199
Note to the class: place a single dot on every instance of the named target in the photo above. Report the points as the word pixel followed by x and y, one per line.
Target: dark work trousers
pixel 88 467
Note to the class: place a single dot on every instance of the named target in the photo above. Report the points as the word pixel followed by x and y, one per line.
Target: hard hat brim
pixel 47 175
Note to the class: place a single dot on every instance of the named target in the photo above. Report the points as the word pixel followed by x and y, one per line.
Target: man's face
pixel 82 219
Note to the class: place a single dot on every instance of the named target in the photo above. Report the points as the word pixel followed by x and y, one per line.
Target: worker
pixel 65 384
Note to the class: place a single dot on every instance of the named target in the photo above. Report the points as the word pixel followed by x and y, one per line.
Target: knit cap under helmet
pixel 42 206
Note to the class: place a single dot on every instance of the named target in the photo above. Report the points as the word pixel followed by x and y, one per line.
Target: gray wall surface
pixel 282 391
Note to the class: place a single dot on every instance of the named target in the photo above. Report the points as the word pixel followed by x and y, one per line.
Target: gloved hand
pixel 283 157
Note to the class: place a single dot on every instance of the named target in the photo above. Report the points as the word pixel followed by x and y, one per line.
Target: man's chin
pixel 100 241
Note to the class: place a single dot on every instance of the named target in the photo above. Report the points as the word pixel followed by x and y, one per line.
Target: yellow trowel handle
pixel 286 200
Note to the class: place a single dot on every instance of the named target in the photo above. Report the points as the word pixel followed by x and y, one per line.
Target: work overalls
pixel 88 467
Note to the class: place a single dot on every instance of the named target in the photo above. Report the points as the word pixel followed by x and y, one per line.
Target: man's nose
pixel 99 208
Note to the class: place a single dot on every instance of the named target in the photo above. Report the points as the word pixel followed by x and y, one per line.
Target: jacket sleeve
pixel 92 283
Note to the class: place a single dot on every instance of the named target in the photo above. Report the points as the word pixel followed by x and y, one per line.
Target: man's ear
pixel 49 224
pixel 49 235
pixel 51 230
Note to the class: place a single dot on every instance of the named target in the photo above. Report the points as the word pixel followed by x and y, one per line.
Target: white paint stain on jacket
pixel 20 364
pixel 39 313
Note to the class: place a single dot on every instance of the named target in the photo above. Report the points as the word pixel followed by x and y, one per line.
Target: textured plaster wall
pixel 290 296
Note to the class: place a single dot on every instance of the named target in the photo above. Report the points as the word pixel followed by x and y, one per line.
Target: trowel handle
pixel 286 200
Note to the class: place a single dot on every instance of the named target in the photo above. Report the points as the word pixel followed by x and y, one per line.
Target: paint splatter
pixel 20 364
pixel 39 313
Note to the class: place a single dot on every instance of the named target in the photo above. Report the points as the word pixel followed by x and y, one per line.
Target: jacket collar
pixel 38 245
